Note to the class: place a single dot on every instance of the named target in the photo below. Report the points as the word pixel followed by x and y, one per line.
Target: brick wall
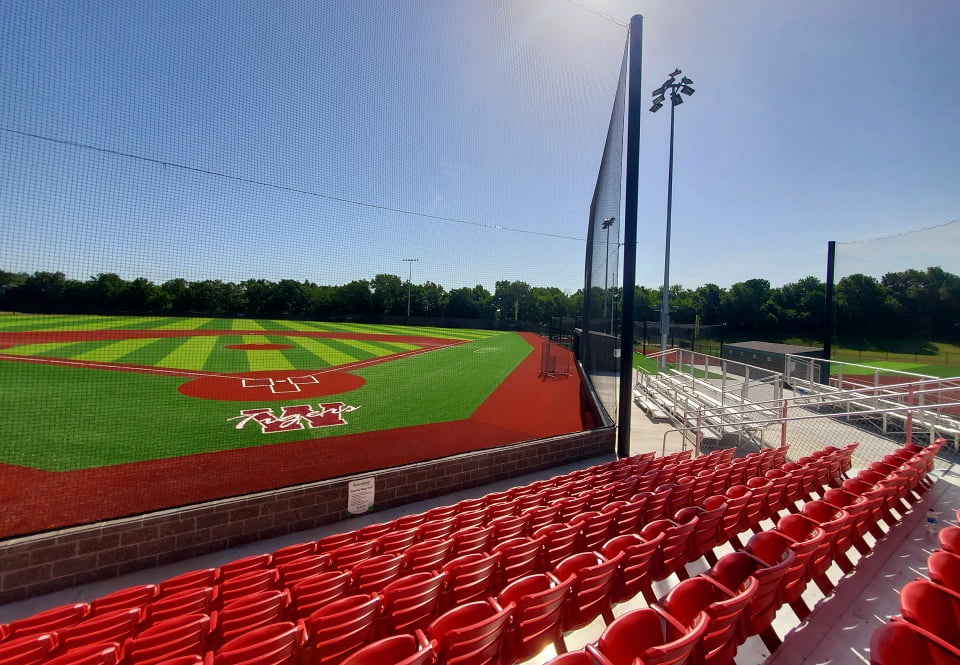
pixel 47 562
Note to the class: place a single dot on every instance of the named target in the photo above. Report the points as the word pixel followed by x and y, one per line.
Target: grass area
pixel 61 418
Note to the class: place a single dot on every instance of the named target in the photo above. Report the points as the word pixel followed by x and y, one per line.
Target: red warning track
pixel 524 407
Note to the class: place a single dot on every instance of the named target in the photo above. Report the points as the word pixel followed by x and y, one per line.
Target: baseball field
pixel 112 416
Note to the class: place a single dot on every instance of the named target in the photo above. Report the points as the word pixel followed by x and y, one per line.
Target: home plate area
pixel 271 385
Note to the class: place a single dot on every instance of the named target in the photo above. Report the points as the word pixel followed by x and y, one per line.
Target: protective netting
pixel 599 347
pixel 282 172
pixel 897 301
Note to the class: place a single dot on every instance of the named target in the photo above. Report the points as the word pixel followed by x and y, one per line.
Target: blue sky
pixel 468 135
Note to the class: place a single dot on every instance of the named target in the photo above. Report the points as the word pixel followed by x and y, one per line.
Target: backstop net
pixel 286 173
pixel 599 347
pixel 897 302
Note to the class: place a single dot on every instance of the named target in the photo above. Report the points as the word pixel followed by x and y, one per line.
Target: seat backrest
pixel 470 577
pixel 396 542
pixel 27 650
pixel 247 612
pixel 559 542
pixel 427 555
pixel 244 565
pixel 411 602
pixel 642 636
pixel 944 569
pixel 949 538
pixel 313 592
pixel 393 650
pixel 899 642
pixel 135 596
pixel 301 568
pixel 342 627
pixel 351 554
pixel 376 572
pixel 289 553
pixel 538 604
pixel 188 601
pixel 519 557
pixel 244 584
pixel 179 636
pixel 471 634
pixel 932 607
pixel 195 579
pixel 115 626
pixel 50 620
pixel 103 653
pixel 471 539
pixel 272 644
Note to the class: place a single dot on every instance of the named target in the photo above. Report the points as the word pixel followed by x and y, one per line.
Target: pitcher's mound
pixel 271 385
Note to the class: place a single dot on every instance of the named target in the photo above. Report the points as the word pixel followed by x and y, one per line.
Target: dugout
pixel 768 355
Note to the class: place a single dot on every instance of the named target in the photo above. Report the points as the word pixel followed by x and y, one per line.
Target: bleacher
pixel 499 578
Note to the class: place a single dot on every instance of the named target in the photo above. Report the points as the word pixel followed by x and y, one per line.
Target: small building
pixel 767 355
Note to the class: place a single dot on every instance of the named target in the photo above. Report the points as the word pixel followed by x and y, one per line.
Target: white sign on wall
pixel 360 495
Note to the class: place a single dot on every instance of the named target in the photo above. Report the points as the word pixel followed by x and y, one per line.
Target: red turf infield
pixel 522 408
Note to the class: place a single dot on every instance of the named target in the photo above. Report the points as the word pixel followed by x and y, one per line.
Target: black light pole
pixel 676 89
pixel 409 284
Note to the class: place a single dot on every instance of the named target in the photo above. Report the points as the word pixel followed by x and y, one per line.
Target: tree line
pixel 907 303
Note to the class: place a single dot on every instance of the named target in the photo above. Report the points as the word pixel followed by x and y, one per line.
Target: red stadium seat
pixel 410 603
pixel 50 620
pixel 188 601
pixel 339 628
pixel 296 570
pixel 293 552
pixel 899 642
pixel 349 555
pixel 185 635
pixel 393 650
pixel 538 604
pixel 471 634
pixel 723 607
pixel 374 573
pixel 243 584
pixel 672 555
pixel 427 555
pixel 114 626
pixel 90 654
pixel 944 569
pixel 595 529
pixel 314 592
pixel 395 542
pixel 559 542
pixel 195 579
pixel 649 637
pixel 519 557
pixel 635 573
pixel 27 650
pixel 949 538
pixel 933 608
pixel 591 590
pixel 245 565
pixel 469 577
pixel 135 596
pixel 272 644
pixel 248 612
pixel 572 658
pixel 509 526
pixel 472 539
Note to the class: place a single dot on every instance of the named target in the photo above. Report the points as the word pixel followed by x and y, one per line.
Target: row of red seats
pixel 703 620
pixel 175 590
pixel 927 632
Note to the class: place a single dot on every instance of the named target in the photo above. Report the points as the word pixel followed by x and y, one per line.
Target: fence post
pixel 783 424
pixel 908 428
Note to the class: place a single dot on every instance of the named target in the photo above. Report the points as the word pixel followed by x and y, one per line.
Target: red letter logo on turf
pixel 292 417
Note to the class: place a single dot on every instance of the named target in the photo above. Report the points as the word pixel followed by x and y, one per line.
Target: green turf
pixel 63 418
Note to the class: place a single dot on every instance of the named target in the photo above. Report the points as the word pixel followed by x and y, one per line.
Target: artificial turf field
pixel 110 416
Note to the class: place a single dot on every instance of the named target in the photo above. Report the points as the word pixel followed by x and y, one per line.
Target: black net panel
pixel 599 344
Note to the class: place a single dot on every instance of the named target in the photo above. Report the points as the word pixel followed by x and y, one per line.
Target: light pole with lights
pixel 409 283
pixel 676 90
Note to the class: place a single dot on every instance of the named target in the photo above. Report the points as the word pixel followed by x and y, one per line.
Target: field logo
pixel 293 417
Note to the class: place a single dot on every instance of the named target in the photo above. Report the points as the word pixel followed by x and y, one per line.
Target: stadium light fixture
pixel 676 91
pixel 410 262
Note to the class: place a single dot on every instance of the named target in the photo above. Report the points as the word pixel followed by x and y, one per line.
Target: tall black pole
pixel 828 305
pixel 634 112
